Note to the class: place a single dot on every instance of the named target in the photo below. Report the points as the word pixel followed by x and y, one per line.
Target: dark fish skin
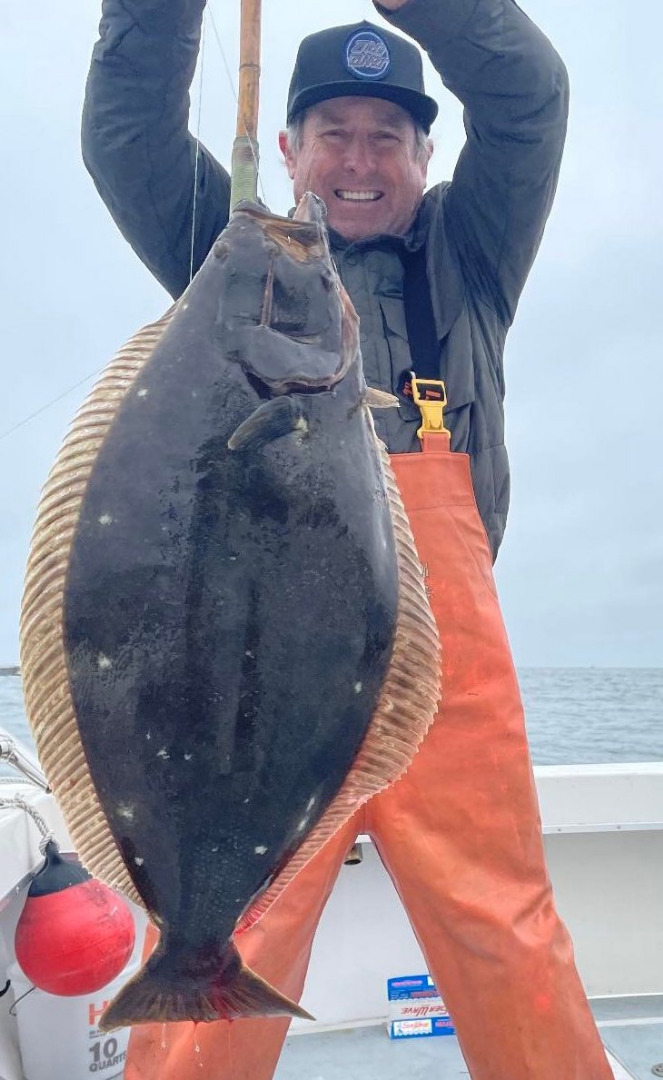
pixel 229 614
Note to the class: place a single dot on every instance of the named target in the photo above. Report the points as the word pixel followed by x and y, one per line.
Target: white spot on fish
pixel 302 825
pixel 249 654
pixel 103 662
pixel 126 811
pixel 358 688
pixel 148 735
pixel 215 849
pixel 260 850
pixel 142 393
pixel 247 800
pixel 310 804
pixel 105 519
pixel 187 757
pixel 138 861
pixel 163 753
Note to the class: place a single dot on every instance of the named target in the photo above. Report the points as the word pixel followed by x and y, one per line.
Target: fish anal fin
pixel 404 712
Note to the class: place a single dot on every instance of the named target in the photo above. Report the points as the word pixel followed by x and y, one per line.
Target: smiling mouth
pixel 357 196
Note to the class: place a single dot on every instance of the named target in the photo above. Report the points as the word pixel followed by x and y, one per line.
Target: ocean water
pixel 574 715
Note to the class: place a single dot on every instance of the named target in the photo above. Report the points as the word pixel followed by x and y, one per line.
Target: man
pixel 435 279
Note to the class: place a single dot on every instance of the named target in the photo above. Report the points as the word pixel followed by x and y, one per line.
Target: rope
pixel 19 803
pixel 12 1010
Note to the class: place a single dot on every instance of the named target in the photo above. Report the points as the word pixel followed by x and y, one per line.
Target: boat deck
pixel 631 1029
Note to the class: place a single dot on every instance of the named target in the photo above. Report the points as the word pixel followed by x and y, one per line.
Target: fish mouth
pixel 303 359
pixel 267 390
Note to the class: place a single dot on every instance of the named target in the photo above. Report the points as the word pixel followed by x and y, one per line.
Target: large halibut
pixel 226 642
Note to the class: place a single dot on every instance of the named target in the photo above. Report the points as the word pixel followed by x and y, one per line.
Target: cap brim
pixel 422 108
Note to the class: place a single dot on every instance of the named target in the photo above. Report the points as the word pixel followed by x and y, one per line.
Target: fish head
pixel 284 315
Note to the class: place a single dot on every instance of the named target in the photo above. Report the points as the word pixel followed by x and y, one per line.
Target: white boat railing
pixel 16 755
pixel 603 834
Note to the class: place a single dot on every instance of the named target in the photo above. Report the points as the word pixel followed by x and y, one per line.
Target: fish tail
pixel 164 991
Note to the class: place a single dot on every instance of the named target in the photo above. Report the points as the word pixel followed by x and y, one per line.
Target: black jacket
pixel 481 231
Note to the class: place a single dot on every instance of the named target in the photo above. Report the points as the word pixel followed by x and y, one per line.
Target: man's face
pixel 360 155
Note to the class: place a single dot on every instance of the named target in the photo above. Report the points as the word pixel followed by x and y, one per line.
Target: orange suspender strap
pixel 430 396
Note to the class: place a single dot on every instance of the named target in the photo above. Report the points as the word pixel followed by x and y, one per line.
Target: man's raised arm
pixel 514 88
pixel 135 137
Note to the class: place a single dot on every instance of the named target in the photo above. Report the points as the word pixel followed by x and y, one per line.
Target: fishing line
pixel 49 405
pixel 235 95
pixel 197 158
pixel 93 374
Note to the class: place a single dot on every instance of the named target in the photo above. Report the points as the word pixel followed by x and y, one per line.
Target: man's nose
pixel 359 155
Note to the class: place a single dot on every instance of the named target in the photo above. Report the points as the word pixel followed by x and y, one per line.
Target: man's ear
pixel 284 147
pixel 427 154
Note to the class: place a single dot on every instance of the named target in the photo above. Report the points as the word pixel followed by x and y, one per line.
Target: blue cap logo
pixel 367 55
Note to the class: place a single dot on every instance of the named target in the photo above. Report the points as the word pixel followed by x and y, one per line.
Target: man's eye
pixel 387 137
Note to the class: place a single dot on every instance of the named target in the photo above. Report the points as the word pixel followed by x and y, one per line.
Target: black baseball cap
pixel 361 60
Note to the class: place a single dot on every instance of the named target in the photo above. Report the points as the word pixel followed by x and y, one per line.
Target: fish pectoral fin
pixel 272 420
pixel 379 399
pixel 223 988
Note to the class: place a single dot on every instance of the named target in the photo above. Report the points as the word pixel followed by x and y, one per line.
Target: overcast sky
pixel 580 573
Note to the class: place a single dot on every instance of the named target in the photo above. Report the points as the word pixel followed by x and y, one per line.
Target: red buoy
pixel 75 934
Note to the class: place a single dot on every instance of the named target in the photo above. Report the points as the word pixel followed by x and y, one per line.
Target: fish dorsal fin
pixel 48 700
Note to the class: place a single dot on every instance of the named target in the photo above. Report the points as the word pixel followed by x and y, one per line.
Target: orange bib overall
pixel 460 837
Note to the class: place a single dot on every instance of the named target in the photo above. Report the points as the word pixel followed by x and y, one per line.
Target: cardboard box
pixel 416 1010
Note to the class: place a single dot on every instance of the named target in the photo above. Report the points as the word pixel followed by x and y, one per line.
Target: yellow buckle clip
pixel 432 409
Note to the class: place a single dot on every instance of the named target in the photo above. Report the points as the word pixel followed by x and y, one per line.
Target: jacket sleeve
pixel 135 138
pixel 514 89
